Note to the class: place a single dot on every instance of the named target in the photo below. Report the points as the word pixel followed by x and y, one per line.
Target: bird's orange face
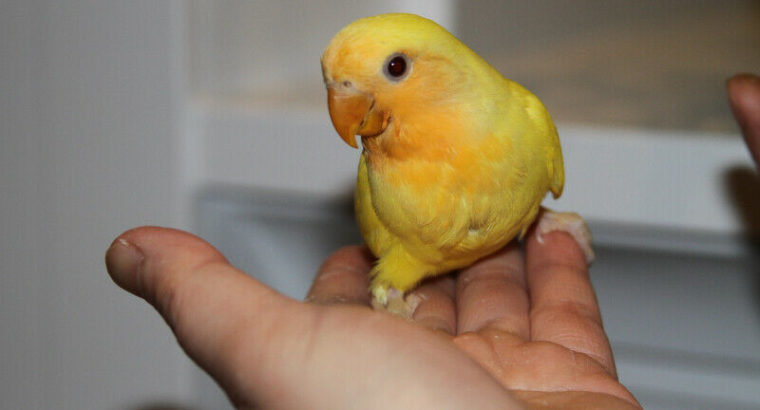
pixel 364 74
pixel 396 82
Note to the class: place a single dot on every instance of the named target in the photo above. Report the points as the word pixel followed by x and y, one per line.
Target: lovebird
pixel 456 158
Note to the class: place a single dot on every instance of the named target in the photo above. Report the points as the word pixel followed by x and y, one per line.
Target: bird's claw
pixel 393 301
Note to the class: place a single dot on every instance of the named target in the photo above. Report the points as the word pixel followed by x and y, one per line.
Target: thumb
pixel 218 313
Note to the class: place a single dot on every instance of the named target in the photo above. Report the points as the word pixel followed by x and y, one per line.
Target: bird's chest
pixel 421 200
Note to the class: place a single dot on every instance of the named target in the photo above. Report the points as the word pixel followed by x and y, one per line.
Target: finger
pixel 744 97
pixel 218 313
pixel 343 277
pixel 564 309
pixel 436 310
pixel 492 293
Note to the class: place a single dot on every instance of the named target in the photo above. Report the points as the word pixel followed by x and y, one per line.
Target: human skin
pixel 520 329
pixel 744 98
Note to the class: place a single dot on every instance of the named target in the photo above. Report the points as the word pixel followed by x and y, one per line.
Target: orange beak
pixel 354 114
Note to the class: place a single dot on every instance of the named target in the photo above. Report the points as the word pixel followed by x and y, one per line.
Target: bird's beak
pixel 354 113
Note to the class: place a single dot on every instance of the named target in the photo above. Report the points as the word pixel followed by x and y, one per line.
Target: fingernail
pixel 122 261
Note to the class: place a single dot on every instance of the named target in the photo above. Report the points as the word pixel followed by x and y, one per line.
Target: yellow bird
pixel 456 158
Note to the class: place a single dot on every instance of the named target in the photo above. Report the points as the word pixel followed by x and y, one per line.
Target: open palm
pixel 532 322
pixel 509 332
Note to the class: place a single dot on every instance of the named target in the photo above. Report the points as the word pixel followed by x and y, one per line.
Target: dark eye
pixel 397 67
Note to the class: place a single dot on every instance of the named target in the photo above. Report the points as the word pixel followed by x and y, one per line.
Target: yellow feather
pixel 466 160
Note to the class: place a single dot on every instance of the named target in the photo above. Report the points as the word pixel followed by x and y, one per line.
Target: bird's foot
pixel 392 300
pixel 569 222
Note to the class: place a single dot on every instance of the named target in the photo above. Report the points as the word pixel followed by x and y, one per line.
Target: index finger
pixel 564 309
pixel 343 277
pixel 744 97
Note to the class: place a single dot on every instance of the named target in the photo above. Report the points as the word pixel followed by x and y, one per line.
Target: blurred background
pixel 210 116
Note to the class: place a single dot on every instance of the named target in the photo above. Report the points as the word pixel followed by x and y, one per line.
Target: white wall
pixel 90 106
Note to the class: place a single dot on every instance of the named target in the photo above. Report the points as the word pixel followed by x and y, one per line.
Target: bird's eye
pixel 397 67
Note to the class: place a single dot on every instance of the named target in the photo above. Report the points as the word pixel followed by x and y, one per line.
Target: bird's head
pixel 392 68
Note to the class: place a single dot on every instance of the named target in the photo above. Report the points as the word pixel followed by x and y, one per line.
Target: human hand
pixel 744 97
pixel 505 333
